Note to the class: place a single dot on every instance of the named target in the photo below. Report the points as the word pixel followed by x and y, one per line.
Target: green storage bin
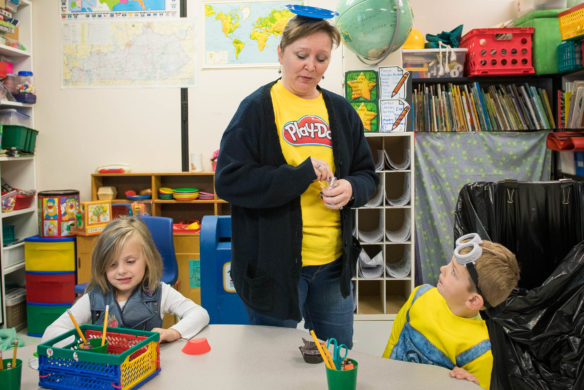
pixel 14 136
pixel 30 141
pixel 546 38
pixel 40 315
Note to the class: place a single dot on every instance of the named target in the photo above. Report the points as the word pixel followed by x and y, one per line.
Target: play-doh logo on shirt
pixel 309 130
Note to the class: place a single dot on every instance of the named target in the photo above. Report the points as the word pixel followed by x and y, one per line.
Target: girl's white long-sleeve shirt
pixel 192 317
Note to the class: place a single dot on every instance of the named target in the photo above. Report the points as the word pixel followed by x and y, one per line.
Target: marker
pixel 400 83
pixel 400 117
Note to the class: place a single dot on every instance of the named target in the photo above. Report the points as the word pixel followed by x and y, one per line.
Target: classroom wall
pixel 83 128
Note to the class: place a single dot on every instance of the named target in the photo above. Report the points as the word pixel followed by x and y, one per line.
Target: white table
pixel 259 357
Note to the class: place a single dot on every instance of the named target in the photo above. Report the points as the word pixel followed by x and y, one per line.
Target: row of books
pixel 468 107
pixel 570 112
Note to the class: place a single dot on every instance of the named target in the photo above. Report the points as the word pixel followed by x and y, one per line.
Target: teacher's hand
pixel 338 196
pixel 321 169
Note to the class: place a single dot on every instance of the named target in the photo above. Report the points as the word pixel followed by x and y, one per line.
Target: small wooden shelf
pixel 176 209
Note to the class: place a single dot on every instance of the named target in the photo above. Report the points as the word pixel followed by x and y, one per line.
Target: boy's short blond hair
pixel 498 272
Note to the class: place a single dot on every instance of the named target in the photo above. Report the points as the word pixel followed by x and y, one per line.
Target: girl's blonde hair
pixel 109 245
pixel 300 26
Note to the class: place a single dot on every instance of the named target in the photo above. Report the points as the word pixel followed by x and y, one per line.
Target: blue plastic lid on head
pixel 311 12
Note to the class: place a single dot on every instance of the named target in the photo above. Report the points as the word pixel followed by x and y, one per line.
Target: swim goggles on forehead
pixel 472 241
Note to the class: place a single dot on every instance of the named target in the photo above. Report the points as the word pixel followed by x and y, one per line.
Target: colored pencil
pixel 104 325
pixel 14 353
pixel 328 356
pixel 319 347
pixel 77 327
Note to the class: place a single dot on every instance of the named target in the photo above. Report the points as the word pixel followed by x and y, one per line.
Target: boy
pixel 442 326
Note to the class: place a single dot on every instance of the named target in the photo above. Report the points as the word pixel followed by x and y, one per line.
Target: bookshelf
pixel 564 164
pixel 519 103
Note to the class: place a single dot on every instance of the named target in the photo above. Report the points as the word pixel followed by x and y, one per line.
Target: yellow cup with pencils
pixel 10 374
pixel 343 379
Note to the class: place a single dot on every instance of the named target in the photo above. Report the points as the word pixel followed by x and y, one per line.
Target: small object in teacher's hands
pixel 310 352
pixel 1 361
pixel 330 183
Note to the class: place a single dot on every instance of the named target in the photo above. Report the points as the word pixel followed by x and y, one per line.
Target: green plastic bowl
pixel 180 190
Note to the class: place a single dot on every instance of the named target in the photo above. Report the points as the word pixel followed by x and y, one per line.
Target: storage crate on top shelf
pixel 570 55
pixel 572 22
pixel 434 63
pixel 498 51
pixel 546 38
pixel 132 358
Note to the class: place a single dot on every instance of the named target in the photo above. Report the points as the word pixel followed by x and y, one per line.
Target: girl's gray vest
pixel 141 311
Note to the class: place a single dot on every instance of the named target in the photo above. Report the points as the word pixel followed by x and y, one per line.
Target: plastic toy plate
pixel 139 197
pixel 311 12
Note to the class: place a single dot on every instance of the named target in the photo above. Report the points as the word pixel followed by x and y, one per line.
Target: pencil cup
pixel 342 379
pixel 95 346
pixel 10 377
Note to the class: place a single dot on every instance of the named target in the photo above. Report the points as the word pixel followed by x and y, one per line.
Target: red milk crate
pixel 50 287
pixel 498 51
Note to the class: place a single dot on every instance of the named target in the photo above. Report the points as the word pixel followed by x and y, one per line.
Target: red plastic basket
pixel 498 51
pixel 23 201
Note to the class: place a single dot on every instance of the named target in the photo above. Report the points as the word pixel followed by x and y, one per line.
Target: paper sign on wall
pixel 393 115
pixel 393 82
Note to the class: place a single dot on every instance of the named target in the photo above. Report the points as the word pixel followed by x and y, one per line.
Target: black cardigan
pixel 264 192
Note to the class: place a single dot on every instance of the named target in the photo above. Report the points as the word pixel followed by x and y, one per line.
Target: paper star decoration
pixel 361 87
pixel 366 116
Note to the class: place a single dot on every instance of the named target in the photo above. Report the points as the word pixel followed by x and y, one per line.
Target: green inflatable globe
pixel 374 28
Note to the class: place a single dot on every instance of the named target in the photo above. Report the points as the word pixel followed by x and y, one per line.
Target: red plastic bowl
pixel 23 201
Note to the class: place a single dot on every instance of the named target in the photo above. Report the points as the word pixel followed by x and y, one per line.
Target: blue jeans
pixel 322 306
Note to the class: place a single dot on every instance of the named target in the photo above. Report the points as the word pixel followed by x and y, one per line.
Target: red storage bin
pixel 498 51
pixel 23 201
pixel 50 287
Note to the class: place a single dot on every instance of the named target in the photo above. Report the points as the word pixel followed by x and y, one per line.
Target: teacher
pixel 292 163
